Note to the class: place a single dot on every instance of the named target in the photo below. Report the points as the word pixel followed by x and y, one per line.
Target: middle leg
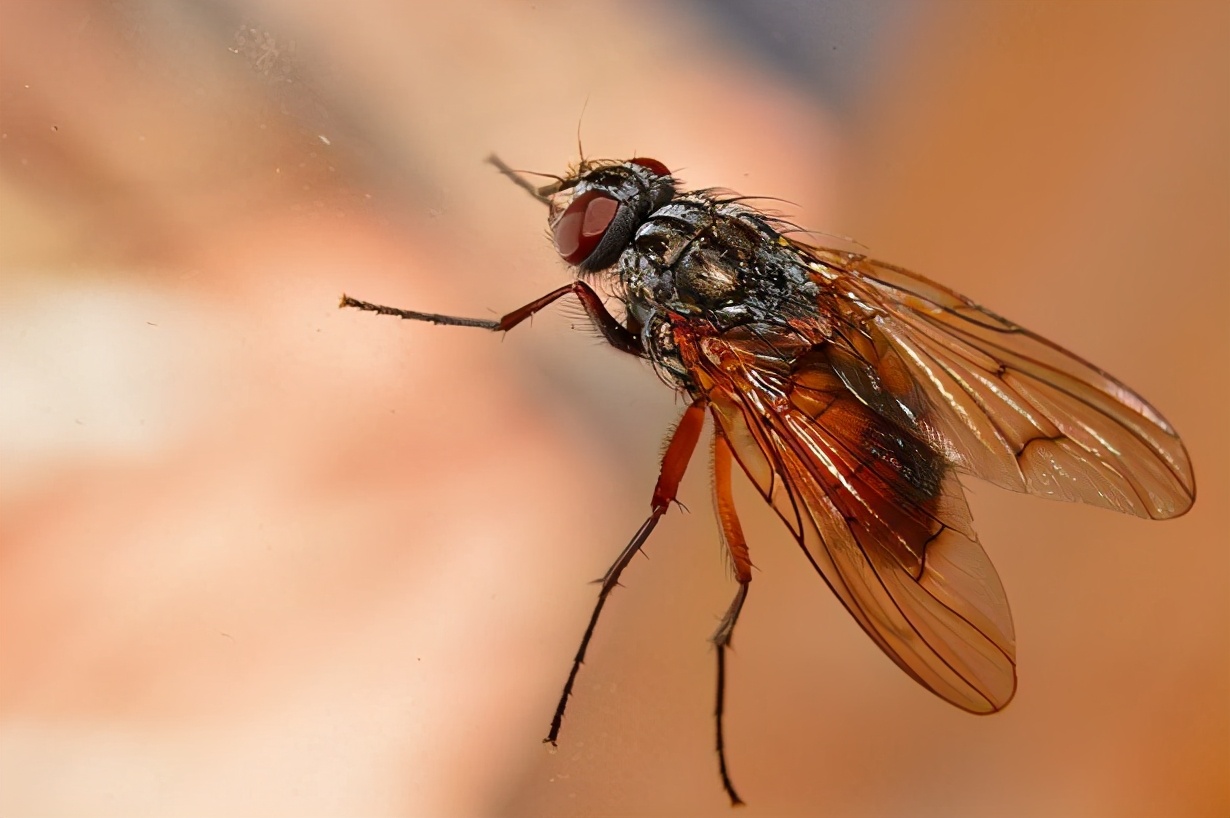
pixel 674 462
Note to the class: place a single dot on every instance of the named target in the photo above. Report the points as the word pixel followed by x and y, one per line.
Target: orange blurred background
pixel 264 557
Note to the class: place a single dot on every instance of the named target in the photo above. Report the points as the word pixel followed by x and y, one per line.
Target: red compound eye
pixel 583 224
pixel 652 165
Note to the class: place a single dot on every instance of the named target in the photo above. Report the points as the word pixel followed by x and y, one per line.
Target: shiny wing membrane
pixel 878 511
pixel 998 401
pixel 853 426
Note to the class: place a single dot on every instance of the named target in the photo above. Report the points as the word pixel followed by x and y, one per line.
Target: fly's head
pixel 595 211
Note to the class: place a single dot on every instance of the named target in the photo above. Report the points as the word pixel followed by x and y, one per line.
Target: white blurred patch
pixel 94 367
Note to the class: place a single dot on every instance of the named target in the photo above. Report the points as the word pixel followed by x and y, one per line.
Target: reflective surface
pixel 267 557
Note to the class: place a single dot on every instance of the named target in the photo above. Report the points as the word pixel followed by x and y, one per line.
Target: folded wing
pixel 1000 402
pixel 880 513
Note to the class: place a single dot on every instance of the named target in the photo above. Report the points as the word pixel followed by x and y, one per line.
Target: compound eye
pixel 583 224
pixel 652 165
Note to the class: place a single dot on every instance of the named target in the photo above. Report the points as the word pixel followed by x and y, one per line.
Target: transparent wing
pixel 997 400
pixel 880 514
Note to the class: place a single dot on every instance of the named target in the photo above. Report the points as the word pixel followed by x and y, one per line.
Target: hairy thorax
pixel 714 263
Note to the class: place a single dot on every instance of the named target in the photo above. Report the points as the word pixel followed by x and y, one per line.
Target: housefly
pixel 852 394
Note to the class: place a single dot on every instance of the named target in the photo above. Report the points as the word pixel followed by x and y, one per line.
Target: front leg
pixel 615 333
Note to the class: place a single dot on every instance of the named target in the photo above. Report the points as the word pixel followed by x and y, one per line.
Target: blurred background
pixel 264 557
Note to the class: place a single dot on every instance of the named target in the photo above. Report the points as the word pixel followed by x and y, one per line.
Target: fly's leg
pixel 542 194
pixel 732 536
pixel 615 333
pixel 674 463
